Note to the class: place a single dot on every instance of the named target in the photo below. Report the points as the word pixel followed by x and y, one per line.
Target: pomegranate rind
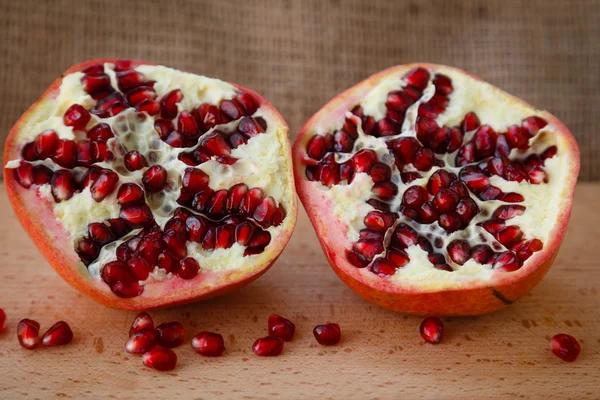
pixel 35 213
pixel 476 298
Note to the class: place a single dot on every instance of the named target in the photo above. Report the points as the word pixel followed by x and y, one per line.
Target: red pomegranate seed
pixel 248 102
pixel 42 175
pixel 243 233
pixel 281 327
pixel 493 225
pixel 104 185
pixel 404 149
pixel 364 160
pixel 445 200
pixel 151 107
pixel 87 250
pixel 130 79
pixel 385 190
pixel 208 116
pixel 170 334
pixel 96 83
pixel 141 342
pixel 414 197
pixel 509 235
pixel 329 174
pixel 129 194
pixel 439 180
pixel 141 322
pixel 507 262
pixel 528 248
pixel 24 175
pixel 466 209
pixel 215 144
pixel 90 176
pixel 474 179
pixel 485 141
pixel 251 200
pixel 450 221
pixel 489 193
pixel 100 233
pixel 216 206
pixel 127 290
pixel 194 180
pixel 427 214
pixel 424 159
pixel 77 117
pixel 482 253
pixel 565 347
pixel 201 200
pixel 549 152
pixel 383 267
pixel 2 320
pixel 117 271
pixel 28 333
pixel 28 152
pixel 368 249
pixel 470 122
pixel 432 330
pixel 208 344
pixel 150 247
pixel 164 128
pixel 186 125
pixel 508 212
pixel 168 104
pixel 140 268
pixel 532 125
pixel 134 161
pixel 166 261
pixel 316 147
pixel 249 127
pixel 379 220
pixel 459 251
pixel 175 245
pixel 139 94
pixel 406 236
pixel 188 268
pixel 100 152
pixel 63 185
pixel 85 153
pixel 235 196
pixel 154 179
pixel 45 144
pixel 269 346
pixel 465 155
pixel 160 359
pixel 136 216
pixel 59 334
pixel 224 236
pixel 66 154
pixel 231 109
pixel 454 140
pixel 328 334
pixel 418 77
pixel 398 257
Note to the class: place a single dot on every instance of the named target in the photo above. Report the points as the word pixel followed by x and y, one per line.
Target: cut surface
pixel 146 186
pixel 435 192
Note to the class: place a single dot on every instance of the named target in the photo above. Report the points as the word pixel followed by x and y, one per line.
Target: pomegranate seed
pixel 28 152
pixel 427 214
pixel 194 180
pixel 97 83
pixel 215 144
pixel 328 334
pixel 445 200
pixel 2 320
pixel 160 359
pixel 224 236
pixel 466 209
pixel 528 248
pixel 465 155
pixel 164 128
pixel 482 253
pixel 208 116
pixel 328 174
pixel 149 248
pixel 87 250
pixel 424 159
pixel 418 77
pixel 134 161
pixel 77 117
pixel 28 333
pixel 136 216
pixel 432 330
pixel 459 251
pixel 117 271
pixel 549 152
pixel 316 147
pixel 281 327
pixel 383 267
pixel 474 179
pixel 368 248
pixel 249 127
pixel 140 268
pixel 414 197
pixel 59 334
pixel 42 175
pixel 243 233
pixel 380 172
pixel 168 104
pixel 130 79
pixel 364 160
pixel 398 257
pixel 127 290
pixel 66 154
pixel 216 206
pixel 129 194
pixel 170 334
pixel 154 179
pixel 188 268
pixel 404 149
pixel 509 235
pixel 532 125
pixel 186 125
pixel 450 221
pixel 251 201
pixel 201 200
pixel 248 102
pixel 175 245
pixel 104 185
pixel 565 347
pixel 85 153
pixel 151 107
pixel 45 144
pixel 454 140
pixel 231 109
pixel 269 346
pixel 406 236
pixel 379 221
pixel 507 262
pixel 100 233
pixel 439 180
pixel 470 122
pixel 208 344
pixel 489 193
pixel 167 262
pixel 141 322
pixel 493 225
pixel 141 342
pixel 484 141
pixel 63 185
pixel 24 175
pixel 508 212
pixel 385 190
pixel 139 94
pixel 356 260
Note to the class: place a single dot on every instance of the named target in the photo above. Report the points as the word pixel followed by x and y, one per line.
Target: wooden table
pixel 381 355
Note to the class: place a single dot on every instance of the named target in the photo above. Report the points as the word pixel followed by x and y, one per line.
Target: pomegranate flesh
pixel 433 192
pixel 145 186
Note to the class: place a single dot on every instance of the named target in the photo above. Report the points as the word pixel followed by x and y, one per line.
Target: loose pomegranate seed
pixel 281 327
pixel 141 342
pixel 28 333
pixel 2 320
pixel 104 185
pixel 188 268
pixel 134 161
pixel 269 346
pixel 565 347
pixel 170 334
pixel 77 117
pixel 141 322
pixel 63 185
pixel 432 330
pixel 59 334
pixel 160 359
pixel 208 344
pixel 328 334
pixel 154 179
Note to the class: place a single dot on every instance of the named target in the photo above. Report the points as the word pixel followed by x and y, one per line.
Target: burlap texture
pixel 300 53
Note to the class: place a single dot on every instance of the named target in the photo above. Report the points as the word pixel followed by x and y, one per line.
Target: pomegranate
pixel 433 192
pixel 59 334
pixel 328 334
pixel 565 347
pixel 145 186
pixel 208 344
pixel 282 327
pixel 432 330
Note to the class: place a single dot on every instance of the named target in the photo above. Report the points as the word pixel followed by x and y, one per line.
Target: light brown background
pixel 301 53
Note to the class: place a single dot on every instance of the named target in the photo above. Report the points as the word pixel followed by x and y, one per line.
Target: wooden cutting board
pixel 503 355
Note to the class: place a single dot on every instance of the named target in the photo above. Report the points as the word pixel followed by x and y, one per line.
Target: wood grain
pixel 503 355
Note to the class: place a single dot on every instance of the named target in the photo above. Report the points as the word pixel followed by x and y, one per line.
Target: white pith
pixel 261 163
pixel 493 107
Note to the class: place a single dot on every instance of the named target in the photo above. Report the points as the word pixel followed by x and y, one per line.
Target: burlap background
pixel 301 53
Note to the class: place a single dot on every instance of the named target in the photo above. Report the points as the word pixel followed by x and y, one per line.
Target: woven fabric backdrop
pixel 300 53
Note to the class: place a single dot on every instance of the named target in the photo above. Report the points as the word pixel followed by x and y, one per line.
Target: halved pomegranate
pixel 145 186
pixel 433 192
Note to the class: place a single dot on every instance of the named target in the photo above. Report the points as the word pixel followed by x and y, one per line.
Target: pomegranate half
pixel 144 186
pixel 433 192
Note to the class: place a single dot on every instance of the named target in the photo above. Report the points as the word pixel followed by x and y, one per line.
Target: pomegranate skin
pixel 36 217
pixel 474 299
